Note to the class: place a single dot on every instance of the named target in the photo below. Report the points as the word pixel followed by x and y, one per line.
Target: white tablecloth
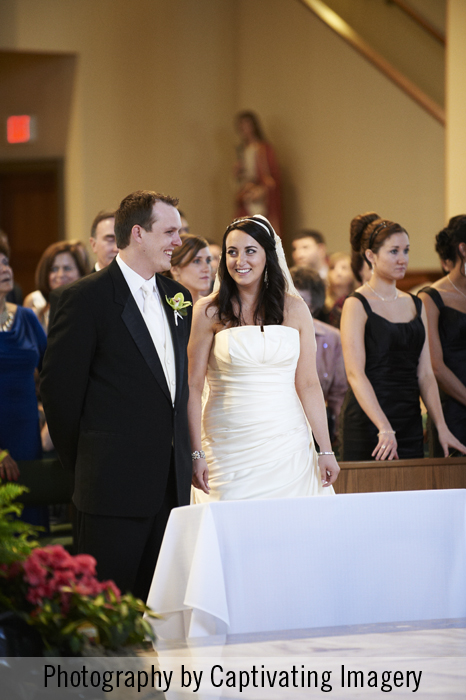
pixel 255 566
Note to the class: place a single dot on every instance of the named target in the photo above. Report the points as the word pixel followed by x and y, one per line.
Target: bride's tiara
pixel 252 221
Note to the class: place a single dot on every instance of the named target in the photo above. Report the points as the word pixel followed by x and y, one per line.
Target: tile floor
pixel 345 662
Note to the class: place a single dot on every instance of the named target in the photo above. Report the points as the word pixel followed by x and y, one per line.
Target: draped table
pixel 282 564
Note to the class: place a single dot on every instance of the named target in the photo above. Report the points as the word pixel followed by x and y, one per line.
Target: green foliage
pixel 106 621
pixel 17 539
pixel 59 594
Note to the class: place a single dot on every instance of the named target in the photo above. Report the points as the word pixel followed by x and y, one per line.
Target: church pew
pixel 402 475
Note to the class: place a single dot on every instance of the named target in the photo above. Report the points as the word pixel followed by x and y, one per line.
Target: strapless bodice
pixel 264 353
pixel 254 431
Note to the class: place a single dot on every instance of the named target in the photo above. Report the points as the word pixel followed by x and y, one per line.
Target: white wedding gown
pixel 254 432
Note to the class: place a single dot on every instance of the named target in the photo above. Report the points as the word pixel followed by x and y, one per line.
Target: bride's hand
pixel 201 475
pixel 329 469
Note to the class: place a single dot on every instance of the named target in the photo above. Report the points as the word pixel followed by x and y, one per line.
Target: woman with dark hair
pixel 386 357
pixel 22 347
pixel 329 356
pixel 340 284
pixel 253 339
pixel 257 173
pixel 445 304
pixel 190 265
pixel 445 248
pixel 61 263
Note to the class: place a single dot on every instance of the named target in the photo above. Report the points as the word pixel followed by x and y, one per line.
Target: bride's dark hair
pixel 271 299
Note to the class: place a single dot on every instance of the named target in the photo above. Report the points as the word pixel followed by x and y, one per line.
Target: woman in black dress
pixel 386 357
pixel 445 304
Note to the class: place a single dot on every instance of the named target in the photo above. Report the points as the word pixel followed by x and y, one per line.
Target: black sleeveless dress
pixel 392 357
pixel 452 333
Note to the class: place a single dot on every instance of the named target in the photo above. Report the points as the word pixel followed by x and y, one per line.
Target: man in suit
pixel 103 239
pixel 114 389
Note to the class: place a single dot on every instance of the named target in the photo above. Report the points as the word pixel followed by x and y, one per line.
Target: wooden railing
pixel 419 19
pixel 343 29
pixel 402 475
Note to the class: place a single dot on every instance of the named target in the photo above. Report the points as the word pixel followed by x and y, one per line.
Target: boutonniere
pixel 179 305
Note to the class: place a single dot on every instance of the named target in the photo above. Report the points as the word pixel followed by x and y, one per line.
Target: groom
pixel 114 389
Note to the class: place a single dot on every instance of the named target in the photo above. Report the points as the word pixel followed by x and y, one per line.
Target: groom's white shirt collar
pixel 135 282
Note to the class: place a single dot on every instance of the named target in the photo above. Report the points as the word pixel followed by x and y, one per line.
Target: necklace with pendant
pixel 6 320
pixel 380 296
pixel 454 285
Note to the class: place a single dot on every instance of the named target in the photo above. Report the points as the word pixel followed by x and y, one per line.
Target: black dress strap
pixel 417 303
pixel 364 302
pixel 434 295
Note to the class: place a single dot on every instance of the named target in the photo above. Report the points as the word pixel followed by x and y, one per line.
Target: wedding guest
pixel 445 304
pixel 114 389
pixel 257 172
pixel 61 263
pixel 309 249
pixel 215 252
pixel 191 265
pixel 184 223
pixel 329 358
pixel 103 240
pixel 386 357
pixel 22 346
pixel 340 284
pixel 254 340
pixel 16 294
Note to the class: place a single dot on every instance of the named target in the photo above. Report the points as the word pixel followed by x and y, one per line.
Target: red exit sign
pixel 20 128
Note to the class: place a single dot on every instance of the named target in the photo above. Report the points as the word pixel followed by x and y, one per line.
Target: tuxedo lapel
pixel 134 322
pixel 176 332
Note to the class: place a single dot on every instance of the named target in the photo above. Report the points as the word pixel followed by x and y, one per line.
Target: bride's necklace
pixel 6 319
pixel 454 285
pixel 380 296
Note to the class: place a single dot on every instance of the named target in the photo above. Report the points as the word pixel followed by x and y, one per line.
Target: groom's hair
pixel 136 210
pixel 271 299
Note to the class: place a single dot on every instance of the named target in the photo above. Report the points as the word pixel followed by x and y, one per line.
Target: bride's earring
pixel 266 277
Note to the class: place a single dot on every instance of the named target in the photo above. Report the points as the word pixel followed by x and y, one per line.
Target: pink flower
pixel 62 578
pixel 33 596
pixel 85 564
pixel 84 589
pixel 58 557
pixel 34 572
pixel 40 555
pixel 110 586
pixel 87 585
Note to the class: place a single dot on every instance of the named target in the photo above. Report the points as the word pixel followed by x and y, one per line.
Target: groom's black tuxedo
pixel 109 409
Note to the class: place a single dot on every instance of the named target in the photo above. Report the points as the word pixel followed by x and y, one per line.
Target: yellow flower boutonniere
pixel 179 305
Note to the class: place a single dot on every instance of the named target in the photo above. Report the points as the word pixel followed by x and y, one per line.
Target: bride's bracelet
pixel 198 454
pixel 386 432
pixel 319 454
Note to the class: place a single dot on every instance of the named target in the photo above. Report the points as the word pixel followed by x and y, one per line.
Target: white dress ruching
pixel 254 431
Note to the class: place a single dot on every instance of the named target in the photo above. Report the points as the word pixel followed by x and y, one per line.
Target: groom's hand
pixel 201 475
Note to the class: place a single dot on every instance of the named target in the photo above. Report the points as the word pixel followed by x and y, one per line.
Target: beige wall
pixel 157 83
pixel 408 47
pixel 348 140
pixel 456 109
pixel 152 99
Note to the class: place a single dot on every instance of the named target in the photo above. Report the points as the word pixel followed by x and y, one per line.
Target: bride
pixel 253 339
